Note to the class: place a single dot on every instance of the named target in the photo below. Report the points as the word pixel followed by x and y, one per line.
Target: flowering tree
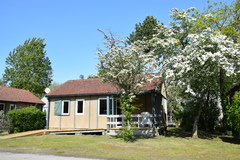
pixel 197 67
pixel 194 61
pixel 222 18
pixel 125 67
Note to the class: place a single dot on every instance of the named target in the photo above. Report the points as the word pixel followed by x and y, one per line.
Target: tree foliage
pixel 54 85
pixel 2 83
pixel 199 57
pixel 125 67
pixel 28 67
pixel 220 17
pixel 145 30
pixel 122 65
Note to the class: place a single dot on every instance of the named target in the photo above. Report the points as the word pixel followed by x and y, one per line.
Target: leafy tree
pixel 145 30
pixel 54 85
pixel 2 83
pixel 220 17
pixel 28 67
pixel 125 67
pixel 81 76
pixel 92 76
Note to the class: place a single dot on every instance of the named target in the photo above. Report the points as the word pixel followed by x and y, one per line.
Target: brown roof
pixel 9 94
pixel 92 86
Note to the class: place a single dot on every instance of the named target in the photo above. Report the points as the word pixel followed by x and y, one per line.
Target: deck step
pixel 53 131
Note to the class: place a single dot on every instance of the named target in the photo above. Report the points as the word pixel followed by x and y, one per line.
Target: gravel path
pixel 30 156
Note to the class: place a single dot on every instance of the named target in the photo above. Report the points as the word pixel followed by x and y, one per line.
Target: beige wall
pixel 89 119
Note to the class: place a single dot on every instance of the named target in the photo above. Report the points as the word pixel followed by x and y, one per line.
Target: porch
pixel 144 123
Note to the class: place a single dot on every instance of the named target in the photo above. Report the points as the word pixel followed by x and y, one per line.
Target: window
pixel 103 106
pixel 62 107
pixel 12 107
pixel 65 107
pixel 79 106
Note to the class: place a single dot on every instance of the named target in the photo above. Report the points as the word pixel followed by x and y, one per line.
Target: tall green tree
pixel 144 30
pixel 28 67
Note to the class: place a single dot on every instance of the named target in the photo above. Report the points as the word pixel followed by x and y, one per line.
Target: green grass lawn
pixel 177 145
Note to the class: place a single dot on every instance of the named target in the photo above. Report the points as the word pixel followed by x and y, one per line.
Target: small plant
pixel 127 135
pixel 127 108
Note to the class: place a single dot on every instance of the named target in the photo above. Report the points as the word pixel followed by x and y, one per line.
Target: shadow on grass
pixel 177 132
pixel 136 138
pixel 180 132
pixel 171 132
pixel 230 140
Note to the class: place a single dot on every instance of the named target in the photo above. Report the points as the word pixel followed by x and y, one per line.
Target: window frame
pixel 99 99
pixel 10 107
pixel 76 107
pixel 65 114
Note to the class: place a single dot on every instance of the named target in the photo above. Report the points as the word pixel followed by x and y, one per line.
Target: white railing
pixel 115 121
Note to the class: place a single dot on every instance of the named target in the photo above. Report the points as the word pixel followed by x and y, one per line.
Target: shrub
pixel 233 112
pixel 26 119
pixel 127 135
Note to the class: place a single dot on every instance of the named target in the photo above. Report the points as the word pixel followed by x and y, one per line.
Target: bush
pixel 233 112
pixel 26 119
pixel 127 135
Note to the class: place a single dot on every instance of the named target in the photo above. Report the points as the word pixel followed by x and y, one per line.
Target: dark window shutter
pixel 58 108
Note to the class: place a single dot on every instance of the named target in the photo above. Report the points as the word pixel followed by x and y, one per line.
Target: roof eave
pixel 9 101
pixel 87 94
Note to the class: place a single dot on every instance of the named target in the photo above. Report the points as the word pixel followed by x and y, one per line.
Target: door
pixel 2 107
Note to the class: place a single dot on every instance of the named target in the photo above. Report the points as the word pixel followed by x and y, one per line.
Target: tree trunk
pixel 205 115
pixel 195 125
pixel 221 105
pixel 205 119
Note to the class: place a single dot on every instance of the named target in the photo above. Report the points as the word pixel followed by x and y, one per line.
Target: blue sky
pixel 69 27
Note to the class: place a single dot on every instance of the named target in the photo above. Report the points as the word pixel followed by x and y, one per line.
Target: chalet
pixel 13 98
pixel 91 104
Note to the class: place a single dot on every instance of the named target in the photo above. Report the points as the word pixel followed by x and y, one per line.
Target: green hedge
pixel 26 119
pixel 233 112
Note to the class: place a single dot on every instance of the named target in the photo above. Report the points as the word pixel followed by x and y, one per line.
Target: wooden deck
pixel 53 131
